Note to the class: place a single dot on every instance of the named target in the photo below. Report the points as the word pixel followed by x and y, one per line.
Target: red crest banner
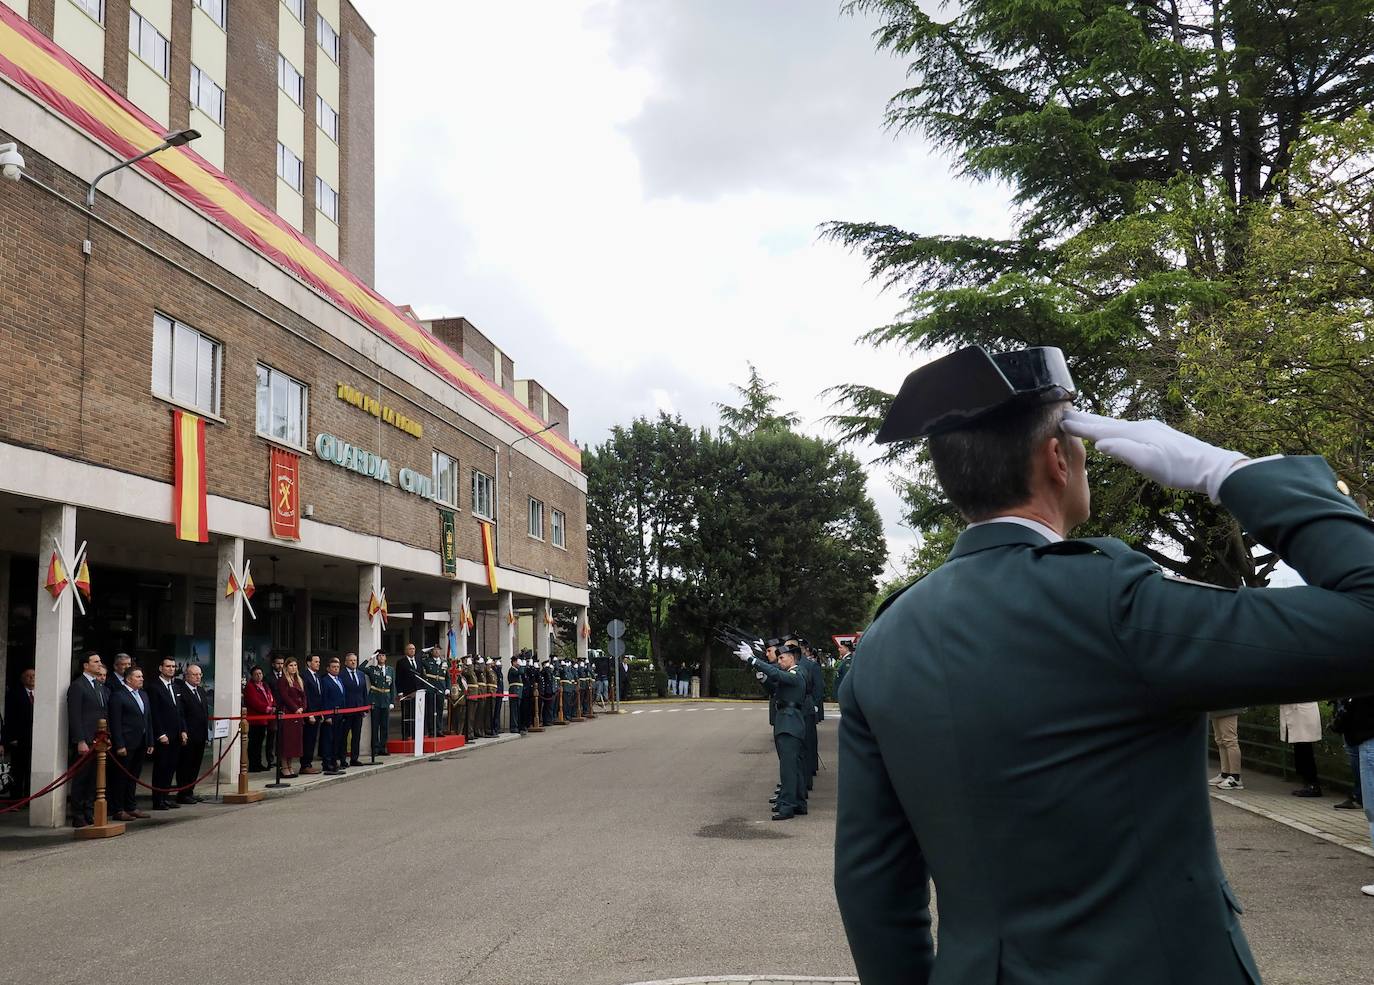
pixel 285 494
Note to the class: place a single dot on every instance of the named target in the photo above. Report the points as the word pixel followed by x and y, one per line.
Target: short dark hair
pixel 984 469
pixel 129 670
pixel 332 661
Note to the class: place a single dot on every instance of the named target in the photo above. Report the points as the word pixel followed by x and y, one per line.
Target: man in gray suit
pixel 1027 724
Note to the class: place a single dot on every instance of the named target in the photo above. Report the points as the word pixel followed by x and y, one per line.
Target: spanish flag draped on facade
pixel 489 556
pixel 188 481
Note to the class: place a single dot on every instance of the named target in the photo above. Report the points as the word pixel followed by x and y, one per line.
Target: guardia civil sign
pixel 329 448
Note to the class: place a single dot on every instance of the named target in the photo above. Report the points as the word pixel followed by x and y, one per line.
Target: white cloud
pixel 625 195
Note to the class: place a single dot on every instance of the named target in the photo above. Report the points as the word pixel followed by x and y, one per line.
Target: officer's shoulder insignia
pixel 1180 580
pixel 886 603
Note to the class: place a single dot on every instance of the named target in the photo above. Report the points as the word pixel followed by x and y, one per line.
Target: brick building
pixel 211 292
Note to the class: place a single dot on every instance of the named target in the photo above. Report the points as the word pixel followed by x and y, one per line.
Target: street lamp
pixel 174 139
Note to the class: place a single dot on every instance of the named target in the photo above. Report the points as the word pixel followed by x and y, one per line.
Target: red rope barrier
pixel 71 770
pixel 228 748
pixel 319 713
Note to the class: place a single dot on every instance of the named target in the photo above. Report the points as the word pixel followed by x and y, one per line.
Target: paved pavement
pixel 1272 797
pixel 630 849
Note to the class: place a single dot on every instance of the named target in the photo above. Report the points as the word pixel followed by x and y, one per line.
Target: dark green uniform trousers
pixel 791 776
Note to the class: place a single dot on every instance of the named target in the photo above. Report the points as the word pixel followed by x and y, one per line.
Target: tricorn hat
pixel 971 384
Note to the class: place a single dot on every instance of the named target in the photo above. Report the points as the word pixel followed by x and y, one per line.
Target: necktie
pixel 30 697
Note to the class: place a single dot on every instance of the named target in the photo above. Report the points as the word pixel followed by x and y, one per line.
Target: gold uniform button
pixel 1340 484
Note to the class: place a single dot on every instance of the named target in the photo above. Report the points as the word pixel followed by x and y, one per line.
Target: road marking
pixel 654 711
pixel 640 712
pixel 673 711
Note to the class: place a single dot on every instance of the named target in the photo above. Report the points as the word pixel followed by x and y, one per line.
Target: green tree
pixel 755 412
pixel 1139 139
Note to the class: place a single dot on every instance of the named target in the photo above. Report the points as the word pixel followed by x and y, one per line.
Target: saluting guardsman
pixel 988 696
pixel 529 675
pixel 432 667
pixel 498 688
pixel 515 685
pixel 815 682
pixel 789 726
pixel 466 714
pixel 549 687
pixel 381 688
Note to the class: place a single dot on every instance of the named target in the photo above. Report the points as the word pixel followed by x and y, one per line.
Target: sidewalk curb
pixel 1294 824
pixel 402 763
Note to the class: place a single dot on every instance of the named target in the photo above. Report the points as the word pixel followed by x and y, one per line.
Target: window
pixel 326 118
pixel 559 525
pixel 536 519
pixel 290 81
pixel 186 365
pixel 445 478
pixel 282 404
pixel 328 37
pixel 483 495
pixel 206 96
pixel 96 8
pixel 297 8
pixel 326 199
pixel 289 168
pixel 148 44
pixel 216 9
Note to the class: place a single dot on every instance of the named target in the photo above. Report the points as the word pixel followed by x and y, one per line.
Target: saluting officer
pixel 529 676
pixel 432 667
pixel 810 670
pixel 498 688
pixel 471 692
pixel 789 726
pixel 989 696
pixel 381 687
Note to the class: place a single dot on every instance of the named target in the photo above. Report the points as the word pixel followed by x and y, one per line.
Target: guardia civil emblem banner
pixel 188 477
pixel 285 493
pixel 448 544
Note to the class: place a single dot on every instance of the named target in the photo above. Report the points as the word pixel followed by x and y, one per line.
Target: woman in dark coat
pixel 289 743
pixel 257 700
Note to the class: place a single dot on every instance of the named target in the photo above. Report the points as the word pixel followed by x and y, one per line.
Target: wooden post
pixel 559 720
pixel 538 724
pixel 243 795
pixel 103 826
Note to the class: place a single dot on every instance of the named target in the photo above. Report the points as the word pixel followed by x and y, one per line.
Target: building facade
pixel 194 388
pixel 281 92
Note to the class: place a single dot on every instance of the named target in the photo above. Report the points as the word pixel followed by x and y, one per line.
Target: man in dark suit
pixel 356 695
pixel 16 737
pixel 332 726
pixel 195 710
pixel 1028 721
pixel 310 727
pixel 169 732
pixel 114 680
pixel 131 738
pixel 274 682
pixel 408 680
pixel 87 702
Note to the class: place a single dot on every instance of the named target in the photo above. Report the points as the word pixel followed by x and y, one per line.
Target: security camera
pixel 11 162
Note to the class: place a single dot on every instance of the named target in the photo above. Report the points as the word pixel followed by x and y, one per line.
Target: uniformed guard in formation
pixel 789 698
pixel 1028 722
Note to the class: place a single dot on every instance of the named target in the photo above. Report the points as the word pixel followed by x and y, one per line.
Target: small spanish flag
pixel 466 617
pixel 489 555
pixel 188 480
pixel 374 606
pixel 82 581
pixel 231 586
pixel 586 630
pixel 510 617
pixel 57 576
pixel 248 587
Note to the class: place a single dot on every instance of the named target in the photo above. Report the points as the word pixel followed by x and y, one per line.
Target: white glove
pixel 761 676
pixel 1157 451
pixel 744 652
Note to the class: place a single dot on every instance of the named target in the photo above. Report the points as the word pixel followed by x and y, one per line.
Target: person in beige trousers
pixel 1224 727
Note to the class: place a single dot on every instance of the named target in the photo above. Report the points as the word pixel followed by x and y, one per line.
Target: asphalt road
pixel 613 851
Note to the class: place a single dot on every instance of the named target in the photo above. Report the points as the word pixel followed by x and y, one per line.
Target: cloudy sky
pixel 625 194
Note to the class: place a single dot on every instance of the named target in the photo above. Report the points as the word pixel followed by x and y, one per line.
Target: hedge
pixel 740 682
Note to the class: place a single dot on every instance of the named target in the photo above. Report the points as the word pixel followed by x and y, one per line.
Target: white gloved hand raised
pixel 743 651
pixel 1157 451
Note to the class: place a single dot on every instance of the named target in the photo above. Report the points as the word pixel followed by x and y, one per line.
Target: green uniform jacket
pixel 1026 726
pixel 381 686
pixel 790 696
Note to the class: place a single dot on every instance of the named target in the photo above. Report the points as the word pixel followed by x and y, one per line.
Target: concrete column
pixel 52 659
pixel 541 629
pixel 4 619
pixel 229 616
pixel 457 598
pixel 505 635
pixel 581 640
pixel 369 630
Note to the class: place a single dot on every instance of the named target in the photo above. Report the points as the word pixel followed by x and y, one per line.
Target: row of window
pixel 187 367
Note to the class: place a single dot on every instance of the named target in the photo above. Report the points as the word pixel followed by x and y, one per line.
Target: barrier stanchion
pixel 103 826
pixel 559 708
pixel 243 795
pixel 276 725
pixel 537 723
pixel 576 715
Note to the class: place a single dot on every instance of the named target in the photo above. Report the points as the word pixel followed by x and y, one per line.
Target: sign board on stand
pixel 419 723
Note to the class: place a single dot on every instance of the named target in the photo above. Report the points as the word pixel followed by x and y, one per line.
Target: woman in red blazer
pixel 258 700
